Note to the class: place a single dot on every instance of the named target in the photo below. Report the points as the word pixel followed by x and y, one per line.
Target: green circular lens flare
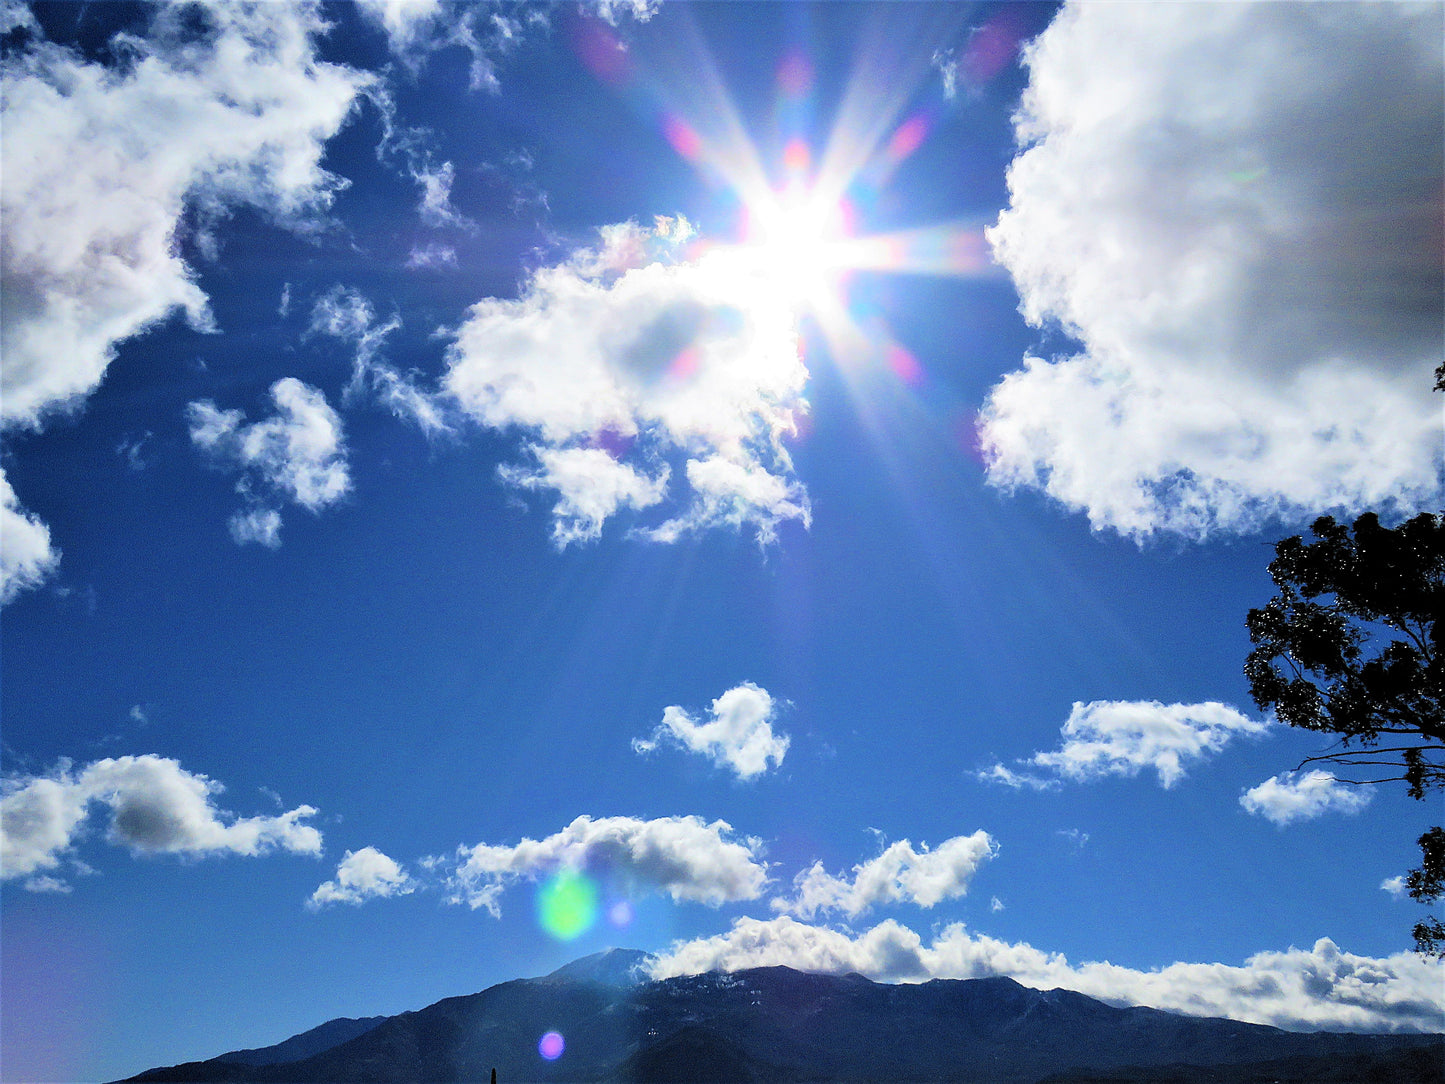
pixel 567 905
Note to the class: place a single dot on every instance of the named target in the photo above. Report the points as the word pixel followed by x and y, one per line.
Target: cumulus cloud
pixel 684 857
pixel 1236 209
pixel 899 875
pixel 101 166
pixel 156 807
pixel 298 454
pixel 362 875
pixel 26 556
pixel 1287 798
pixel 1122 737
pixel 1318 988
pixel 739 735
pixel 646 350
pixel 101 163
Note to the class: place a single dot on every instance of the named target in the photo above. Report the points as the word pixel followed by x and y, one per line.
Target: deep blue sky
pixel 905 555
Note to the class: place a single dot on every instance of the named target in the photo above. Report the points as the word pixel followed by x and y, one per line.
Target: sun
pixel 798 239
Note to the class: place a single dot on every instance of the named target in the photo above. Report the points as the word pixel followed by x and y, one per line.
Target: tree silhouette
pixel 1350 646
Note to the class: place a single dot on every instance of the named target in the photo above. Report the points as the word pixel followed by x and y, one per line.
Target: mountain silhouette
pixel 775 1024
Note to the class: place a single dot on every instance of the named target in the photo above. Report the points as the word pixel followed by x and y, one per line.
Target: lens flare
pixel 567 905
pixel 620 914
pixel 551 1045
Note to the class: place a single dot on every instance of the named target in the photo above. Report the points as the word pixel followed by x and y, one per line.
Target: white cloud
pixel 1121 737
pixel 26 556
pixel 1235 208
pixel 297 454
pixel 649 350
pixel 100 166
pixel 590 486
pixel 259 525
pixel 362 875
pixel 612 11
pixel 899 874
pixel 44 883
pixel 156 806
pixel 1319 988
pixel 1285 798
pixel 345 314
pixel 739 736
pixel 1395 886
pixel 436 208
pixel 101 163
pixel 417 28
pixel 431 256
pixel 684 857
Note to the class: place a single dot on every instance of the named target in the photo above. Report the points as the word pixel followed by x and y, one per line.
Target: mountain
pixel 774 1024
pixel 318 1039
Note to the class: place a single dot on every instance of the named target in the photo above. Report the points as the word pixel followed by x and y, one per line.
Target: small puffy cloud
pixel 1122 737
pixel 899 875
pixel 362 875
pixel 297 454
pixel 738 736
pixel 1235 209
pixel 1395 886
pixel 1318 988
pixel 26 556
pixel 684 857
pixel 590 485
pixel 1286 798
pixel 653 351
pixel 156 807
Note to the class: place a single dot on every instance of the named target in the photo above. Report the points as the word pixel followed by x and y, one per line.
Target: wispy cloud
pixel 345 313
pixel 738 736
pixel 1322 987
pixel 685 857
pixel 156 807
pixel 900 874
pixel 1241 246
pixel 1286 798
pixel 1123 737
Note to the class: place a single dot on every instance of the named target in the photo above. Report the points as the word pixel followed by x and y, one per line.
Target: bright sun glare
pixel 797 235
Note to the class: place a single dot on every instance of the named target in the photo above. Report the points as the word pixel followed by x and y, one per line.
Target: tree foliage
pixel 1350 646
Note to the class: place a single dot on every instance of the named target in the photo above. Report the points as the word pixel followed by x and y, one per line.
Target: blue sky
pixel 782 483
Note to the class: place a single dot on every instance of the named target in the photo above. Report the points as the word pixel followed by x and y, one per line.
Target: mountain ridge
pixel 776 1024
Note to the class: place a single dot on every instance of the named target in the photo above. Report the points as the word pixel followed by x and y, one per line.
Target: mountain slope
pixel 777 1024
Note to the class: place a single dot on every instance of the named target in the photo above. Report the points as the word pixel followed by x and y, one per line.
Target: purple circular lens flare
pixel 551 1046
